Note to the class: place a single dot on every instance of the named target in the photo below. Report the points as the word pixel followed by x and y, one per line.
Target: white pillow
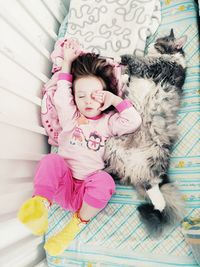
pixel 113 27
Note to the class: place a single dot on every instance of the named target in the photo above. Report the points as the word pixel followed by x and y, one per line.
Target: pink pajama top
pixel 82 140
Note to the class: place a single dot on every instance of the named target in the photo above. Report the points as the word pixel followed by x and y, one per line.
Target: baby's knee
pixel 108 181
pixel 99 190
pixel 105 184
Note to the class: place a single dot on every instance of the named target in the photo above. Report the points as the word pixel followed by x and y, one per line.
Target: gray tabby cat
pixel 142 158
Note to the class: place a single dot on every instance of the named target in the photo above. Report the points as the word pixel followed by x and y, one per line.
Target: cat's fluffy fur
pixel 142 158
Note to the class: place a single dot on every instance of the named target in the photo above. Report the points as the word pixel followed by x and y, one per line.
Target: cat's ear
pixel 179 43
pixel 171 33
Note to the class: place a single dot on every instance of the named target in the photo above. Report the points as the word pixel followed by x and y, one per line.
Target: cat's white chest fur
pixel 139 89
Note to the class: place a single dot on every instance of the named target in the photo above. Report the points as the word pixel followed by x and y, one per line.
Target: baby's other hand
pixel 72 49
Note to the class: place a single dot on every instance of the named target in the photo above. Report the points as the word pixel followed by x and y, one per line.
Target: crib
pixel 116 237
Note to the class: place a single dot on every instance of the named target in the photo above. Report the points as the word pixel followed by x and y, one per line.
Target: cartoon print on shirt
pixel 77 136
pixel 94 141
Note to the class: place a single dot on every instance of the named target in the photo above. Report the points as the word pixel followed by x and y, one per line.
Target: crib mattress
pixel 116 237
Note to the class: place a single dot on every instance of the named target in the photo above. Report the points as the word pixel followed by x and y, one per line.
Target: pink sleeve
pixel 64 102
pixel 126 120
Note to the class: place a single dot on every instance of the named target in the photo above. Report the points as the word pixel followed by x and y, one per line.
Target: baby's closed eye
pixel 80 95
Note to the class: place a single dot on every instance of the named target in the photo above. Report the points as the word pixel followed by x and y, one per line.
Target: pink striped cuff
pixel 123 105
pixel 65 76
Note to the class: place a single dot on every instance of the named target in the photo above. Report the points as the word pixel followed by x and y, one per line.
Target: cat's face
pixel 167 45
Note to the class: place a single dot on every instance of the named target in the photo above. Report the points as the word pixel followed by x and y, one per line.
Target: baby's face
pixel 83 90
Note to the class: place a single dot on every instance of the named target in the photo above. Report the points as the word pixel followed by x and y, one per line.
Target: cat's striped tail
pixel 157 220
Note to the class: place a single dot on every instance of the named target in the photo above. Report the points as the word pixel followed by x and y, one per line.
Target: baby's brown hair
pixel 91 64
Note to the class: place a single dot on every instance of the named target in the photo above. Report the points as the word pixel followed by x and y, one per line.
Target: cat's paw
pixel 125 59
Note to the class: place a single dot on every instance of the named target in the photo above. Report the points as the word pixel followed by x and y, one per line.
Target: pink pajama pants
pixel 54 181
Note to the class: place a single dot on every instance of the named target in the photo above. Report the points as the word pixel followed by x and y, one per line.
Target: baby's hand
pixel 106 99
pixel 72 50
